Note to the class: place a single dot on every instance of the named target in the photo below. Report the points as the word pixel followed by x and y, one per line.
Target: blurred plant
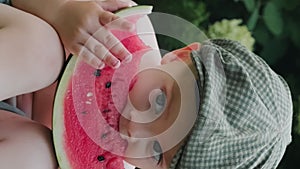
pixel 231 29
pixel 191 10
pixel 273 22
pixel 297 112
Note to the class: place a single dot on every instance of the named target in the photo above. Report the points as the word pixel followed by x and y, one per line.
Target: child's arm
pixel 77 21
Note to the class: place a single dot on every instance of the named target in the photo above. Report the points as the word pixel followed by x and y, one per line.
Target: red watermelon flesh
pixel 87 110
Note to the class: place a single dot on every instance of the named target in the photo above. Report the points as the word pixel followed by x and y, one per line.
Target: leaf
pixel 273 18
pixel 249 4
pixel 261 33
pixel 253 19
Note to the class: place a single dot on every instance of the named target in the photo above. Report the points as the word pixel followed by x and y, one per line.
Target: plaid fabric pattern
pixel 245 113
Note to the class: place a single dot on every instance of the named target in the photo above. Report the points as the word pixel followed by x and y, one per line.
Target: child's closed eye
pixel 157 152
pixel 158 100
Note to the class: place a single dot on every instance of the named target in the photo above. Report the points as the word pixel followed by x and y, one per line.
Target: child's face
pixel 160 111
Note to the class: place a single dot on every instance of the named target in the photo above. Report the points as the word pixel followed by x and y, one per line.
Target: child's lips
pixel 123 126
pixel 132 83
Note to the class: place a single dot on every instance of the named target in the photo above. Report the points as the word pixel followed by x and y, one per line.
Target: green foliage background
pixel 275 26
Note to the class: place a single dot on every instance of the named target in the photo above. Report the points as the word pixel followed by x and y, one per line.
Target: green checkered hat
pixel 245 115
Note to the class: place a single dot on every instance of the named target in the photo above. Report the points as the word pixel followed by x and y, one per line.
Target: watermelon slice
pixel 88 103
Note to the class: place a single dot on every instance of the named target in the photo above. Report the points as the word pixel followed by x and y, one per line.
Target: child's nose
pixel 137 148
pixel 131 131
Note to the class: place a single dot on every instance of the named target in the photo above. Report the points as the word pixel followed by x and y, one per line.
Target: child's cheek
pixel 139 97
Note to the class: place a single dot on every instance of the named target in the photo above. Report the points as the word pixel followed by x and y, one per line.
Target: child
pixel 242 118
pixel 226 109
pixel 32 56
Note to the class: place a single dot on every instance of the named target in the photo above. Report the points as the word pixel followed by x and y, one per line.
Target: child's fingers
pixel 112 21
pixel 101 52
pixel 112 44
pixel 90 58
pixel 113 5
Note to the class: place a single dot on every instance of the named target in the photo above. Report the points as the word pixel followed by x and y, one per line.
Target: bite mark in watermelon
pixel 88 103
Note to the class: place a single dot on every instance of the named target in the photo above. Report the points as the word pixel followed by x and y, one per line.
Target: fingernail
pixel 96 63
pixel 128 26
pixel 129 3
pixel 127 59
pixel 116 64
pixel 101 65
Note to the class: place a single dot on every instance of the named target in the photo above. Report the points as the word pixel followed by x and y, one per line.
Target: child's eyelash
pixel 157 152
pixel 160 159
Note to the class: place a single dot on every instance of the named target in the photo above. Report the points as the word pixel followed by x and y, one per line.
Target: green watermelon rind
pixel 140 9
pixel 58 118
pixel 58 109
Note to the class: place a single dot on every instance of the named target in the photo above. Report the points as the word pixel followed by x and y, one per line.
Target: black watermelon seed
pixel 97 72
pixel 104 135
pixel 108 84
pixel 106 110
pixel 100 158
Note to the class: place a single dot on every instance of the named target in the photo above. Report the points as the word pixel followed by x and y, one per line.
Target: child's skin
pixel 145 118
pixel 88 17
pixel 32 56
pixel 148 116
pixel 19 136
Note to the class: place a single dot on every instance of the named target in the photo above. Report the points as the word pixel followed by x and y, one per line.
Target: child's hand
pixel 82 27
